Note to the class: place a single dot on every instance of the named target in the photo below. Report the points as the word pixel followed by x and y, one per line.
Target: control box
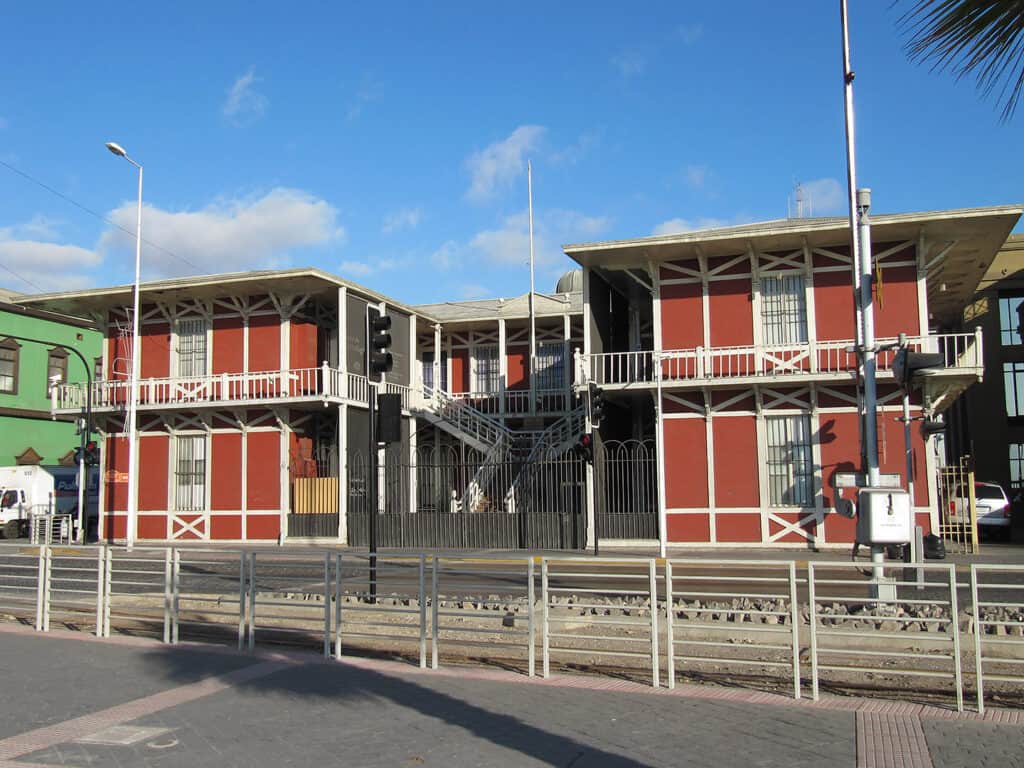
pixel 884 516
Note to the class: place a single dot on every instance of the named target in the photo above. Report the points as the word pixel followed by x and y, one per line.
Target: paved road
pixel 74 701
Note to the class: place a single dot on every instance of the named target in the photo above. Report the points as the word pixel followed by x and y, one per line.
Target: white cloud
pixel 629 63
pixel 227 235
pixel 677 225
pixel 824 197
pixel 355 268
pixel 28 254
pixel 696 175
pixel 244 103
pixel 495 167
pixel 406 218
pixel 447 256
pixel 509 244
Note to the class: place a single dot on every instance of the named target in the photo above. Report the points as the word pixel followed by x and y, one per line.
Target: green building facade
pixel 28 434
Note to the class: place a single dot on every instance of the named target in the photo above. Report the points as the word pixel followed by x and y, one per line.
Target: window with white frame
pixel 486 369
pixel 783 310
pixel 790 461
pixel 428 370
pixel 56 368
pixel 550 365
pixel 1009 320
pixel 191 347
pixel 1013 386
pixel 9 350
pixel 189 472
pixel 1017 465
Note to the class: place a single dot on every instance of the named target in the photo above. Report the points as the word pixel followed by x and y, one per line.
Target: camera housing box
pixel 884 516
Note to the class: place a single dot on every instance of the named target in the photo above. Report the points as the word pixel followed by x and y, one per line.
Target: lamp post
pixel 133 382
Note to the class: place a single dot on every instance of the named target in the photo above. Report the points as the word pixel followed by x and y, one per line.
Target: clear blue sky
pixel 387 142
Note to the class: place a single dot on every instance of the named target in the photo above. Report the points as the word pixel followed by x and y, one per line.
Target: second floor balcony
pixel 724 367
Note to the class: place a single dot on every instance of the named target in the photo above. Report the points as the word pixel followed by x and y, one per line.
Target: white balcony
pixel 742 366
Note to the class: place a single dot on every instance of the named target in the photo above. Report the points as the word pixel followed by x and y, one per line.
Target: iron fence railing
pixel 997 598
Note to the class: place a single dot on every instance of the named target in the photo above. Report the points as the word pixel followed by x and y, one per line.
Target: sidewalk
pixel 72 700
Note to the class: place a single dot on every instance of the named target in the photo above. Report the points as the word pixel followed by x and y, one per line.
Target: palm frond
pixel 983 38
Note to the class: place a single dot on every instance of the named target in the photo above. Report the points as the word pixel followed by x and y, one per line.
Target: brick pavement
pixel 218 707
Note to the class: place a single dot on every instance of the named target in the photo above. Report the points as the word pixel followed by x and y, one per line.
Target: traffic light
pixel 378 345
pixel 79 454
pixel 92 454
pixel 596 404
pixel 584 448
pixel 907 365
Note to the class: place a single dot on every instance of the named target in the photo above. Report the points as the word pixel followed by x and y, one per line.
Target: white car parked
pixel 990 502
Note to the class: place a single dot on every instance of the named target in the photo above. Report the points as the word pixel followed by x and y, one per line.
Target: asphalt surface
pixel 76 701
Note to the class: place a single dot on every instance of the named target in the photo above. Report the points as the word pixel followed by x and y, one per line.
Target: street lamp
pixel 133 382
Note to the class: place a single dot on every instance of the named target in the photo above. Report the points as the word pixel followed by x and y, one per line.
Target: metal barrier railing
pixel 914 634
pixel 289 596
pixel 598 614
pixel 22 583
pixel 997 595
pixel 499 592
pixel 136 588
pixel 74 581
pixel 712 620
pixel 381 598
pixel 207 594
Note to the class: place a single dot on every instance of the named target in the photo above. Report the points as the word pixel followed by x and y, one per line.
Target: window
pixel 1009 320
pixel 1017 465
pixel 1013 385
pixel 97 368
pixel 790 465
pixel 9 349
pixel 428 370
pixel 191 347
pixel 784 310
pixel 486 370
pixel 190 472
pixel 56 368
pixel 551 365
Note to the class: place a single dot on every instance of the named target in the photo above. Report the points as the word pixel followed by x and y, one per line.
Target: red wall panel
pixel 302 345
pixel 738 527
pixel 228 343
pixel 896 302
pixel 152 527
pixel 460 370
pixel 262 526
pixel 265 343
pixel 226 471
pixel 731 313
pixel 263 466
pixel 518 376
pixel 224 527
pixel 116 476
pixel 833 306
pixel 685 464
pixel 682 316
pixel 156 351
pixel 892 454
pixel 736 479
pixel 153 456
pixel 688 528
pixel 840 448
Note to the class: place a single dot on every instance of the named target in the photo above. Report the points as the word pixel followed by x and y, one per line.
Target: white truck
pixel 28 490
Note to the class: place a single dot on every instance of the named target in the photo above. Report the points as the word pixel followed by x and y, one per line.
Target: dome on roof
pixel 570 282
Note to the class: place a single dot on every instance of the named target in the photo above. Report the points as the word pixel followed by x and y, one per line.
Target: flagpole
pixel 533 318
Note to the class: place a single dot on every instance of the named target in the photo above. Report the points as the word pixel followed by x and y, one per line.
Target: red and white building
pixel 724 356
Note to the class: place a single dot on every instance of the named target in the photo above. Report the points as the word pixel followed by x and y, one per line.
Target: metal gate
pixel 958 520
pixel 451 497
pixel 626 489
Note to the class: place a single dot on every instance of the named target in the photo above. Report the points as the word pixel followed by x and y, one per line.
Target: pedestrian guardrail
pixel 22 583
pixel 908 628
pixel 997 597
pixel 484 605
pixel 289 598
pixel 715 620
pixel 136 588
pixel 207 595
pixel 74 580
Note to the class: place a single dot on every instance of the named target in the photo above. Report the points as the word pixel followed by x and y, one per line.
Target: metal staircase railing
pixel 553 441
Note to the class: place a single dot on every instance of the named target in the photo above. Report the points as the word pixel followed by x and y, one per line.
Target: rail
pixel 998 619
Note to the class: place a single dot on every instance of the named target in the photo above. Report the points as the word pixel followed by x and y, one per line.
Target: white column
pixel 343 332
pixel 285 433
pixel 655 273
pixel 437 358
pixel 819 479
pixel 755 309
pixel 709 442
pixel 343 474
pixel 762 463
pixel 503 364
pixel 922 286
pixel 812 317
pixel 243 427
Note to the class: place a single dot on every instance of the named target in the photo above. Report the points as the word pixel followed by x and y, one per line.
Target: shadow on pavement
pixel 343 683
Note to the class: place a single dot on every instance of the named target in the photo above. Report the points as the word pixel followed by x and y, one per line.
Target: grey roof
pixel 516 307
pixel 6 294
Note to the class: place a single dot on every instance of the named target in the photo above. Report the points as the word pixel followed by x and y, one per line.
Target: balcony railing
pixel 516 402
pixel 829 358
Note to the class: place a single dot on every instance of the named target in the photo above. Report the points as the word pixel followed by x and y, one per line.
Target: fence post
pixel 434 615
pixel 47 593
pixel 814 633
pixel 531 631
pixel 656 662
pixel 955 618
pixel 252 601
pixel 327 604
pixel 337 604
pixel 544 630
pixel 670 645
pixel 978 668
pixel 794 623
pixel 108 579
pixel 423 609
pixel 101 561
pixel 168 568
pixel 40 588
pixel 175 596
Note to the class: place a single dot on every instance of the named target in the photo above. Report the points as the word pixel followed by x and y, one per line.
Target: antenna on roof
pixel 802 203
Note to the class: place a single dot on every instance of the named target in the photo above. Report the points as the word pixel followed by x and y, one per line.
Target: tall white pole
pixel 133 397
pixel 533 319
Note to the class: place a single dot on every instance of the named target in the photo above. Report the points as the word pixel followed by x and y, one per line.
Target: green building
pixel 28 434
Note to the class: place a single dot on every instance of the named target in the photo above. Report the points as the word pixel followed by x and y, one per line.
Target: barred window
pixel 486 369
pixel 784 310
pixel 1013 385
pixel 191 347
pixel 9 350
pixel 56 368
pixel 1009 321
pixel 1017 465
pixel 428 370
pixel 790 463
pixel 190 472
pixel 551 365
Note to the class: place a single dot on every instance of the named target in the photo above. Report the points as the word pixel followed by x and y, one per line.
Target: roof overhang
pixel 959 246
